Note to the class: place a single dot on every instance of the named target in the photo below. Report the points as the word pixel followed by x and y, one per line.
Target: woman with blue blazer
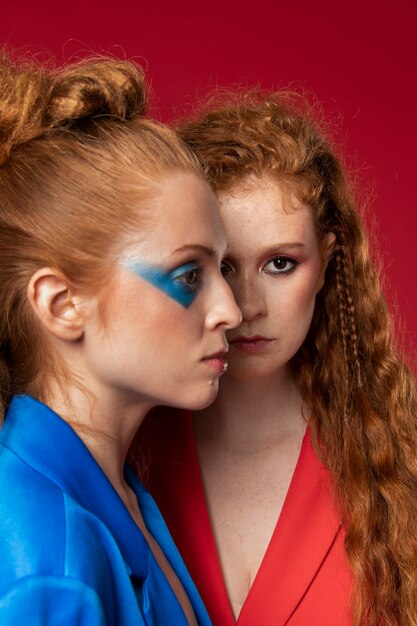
pixel 111 302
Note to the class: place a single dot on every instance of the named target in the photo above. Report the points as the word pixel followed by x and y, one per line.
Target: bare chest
pixel 245 494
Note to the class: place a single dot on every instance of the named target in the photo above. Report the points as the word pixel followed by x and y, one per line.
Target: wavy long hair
pixel 361 394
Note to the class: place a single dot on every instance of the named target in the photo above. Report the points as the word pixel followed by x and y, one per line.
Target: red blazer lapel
pixel 305 532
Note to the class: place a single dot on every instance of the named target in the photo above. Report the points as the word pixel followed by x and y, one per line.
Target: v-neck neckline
pixel 293 510
pixel 303 535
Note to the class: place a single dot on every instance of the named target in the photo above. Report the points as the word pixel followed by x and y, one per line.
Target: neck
pixel 252 414
pixel 105 426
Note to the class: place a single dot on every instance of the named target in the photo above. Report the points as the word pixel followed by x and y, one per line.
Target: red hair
pixel 79 166
pixel 362 396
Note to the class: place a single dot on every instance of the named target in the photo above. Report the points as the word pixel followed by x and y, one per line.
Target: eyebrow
pixel 286 245
pixel 196 247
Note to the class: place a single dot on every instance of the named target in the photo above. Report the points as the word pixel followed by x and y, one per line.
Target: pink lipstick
pixel 255 343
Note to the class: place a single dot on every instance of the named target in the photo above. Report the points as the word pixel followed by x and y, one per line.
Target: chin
pixel 201 399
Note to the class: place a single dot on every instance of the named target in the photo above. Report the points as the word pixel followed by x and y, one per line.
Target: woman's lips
pixel 256 343
pixel 217 361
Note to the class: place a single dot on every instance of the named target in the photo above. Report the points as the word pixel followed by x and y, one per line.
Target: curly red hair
pixel 362 396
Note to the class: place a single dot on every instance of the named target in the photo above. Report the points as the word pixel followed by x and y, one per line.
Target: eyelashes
pixel 187 279
pixel 187 275
pixel 181 284
pixel 278 265
pixel 225 268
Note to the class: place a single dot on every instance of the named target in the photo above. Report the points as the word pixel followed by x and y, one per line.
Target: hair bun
pixel 22 102
pixel 102 87
pixel 34 99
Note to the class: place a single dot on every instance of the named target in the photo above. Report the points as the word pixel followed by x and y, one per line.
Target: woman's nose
pixel 249 298
pixel 224 310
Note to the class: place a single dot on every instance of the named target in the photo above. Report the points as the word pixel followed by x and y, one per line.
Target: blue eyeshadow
pixel 168 282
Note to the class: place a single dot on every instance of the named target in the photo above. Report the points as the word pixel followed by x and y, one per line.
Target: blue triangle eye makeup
pixel 181 284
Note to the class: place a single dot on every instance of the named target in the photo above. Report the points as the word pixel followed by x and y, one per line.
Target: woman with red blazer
pixel 293 498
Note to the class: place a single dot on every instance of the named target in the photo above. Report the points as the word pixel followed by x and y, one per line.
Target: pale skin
pixel 128 362
pixel 248 441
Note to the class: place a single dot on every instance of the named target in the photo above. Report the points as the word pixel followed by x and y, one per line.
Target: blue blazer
pixel 70 553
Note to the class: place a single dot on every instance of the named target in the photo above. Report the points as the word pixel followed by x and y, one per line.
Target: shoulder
pixel 46 533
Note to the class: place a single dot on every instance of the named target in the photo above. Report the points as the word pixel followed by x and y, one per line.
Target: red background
pixel 359 58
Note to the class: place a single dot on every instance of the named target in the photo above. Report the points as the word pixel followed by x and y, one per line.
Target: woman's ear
pixel 327 250
pixel 55 305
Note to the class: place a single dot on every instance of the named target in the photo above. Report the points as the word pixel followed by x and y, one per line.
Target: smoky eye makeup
pixel 182 283
pixel 280 265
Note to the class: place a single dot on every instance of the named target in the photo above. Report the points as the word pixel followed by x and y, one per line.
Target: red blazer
pixel 303 579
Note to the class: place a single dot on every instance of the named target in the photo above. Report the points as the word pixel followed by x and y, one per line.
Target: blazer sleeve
pixel 52 601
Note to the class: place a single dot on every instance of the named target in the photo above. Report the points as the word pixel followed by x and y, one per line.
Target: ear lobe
pixel 328 245
pixel 55 305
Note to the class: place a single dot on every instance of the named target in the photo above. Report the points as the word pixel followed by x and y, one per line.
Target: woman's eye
pixel 280 265
pixel 225 268
pixel 188 277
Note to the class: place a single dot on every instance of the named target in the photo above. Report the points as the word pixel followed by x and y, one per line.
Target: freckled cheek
pixel 295 308
pixel 308 285
pixel 306 298
pixel 299 296
pixel 306 301
pixel 170 321
pixel 155 315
